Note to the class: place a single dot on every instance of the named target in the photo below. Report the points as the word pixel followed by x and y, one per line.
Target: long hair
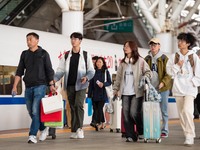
pixel 104 67
pixel 134 54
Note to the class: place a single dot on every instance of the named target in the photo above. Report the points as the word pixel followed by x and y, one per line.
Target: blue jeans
pixel 132 110
pixel 33 96
pixel 164 111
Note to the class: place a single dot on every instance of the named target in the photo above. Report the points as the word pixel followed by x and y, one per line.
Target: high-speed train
pixel 13 113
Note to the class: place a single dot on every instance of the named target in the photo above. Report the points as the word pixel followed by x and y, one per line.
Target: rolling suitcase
pixel 151 119
pixel 116 115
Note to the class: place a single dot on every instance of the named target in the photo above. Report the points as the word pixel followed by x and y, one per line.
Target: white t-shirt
pixel 128 88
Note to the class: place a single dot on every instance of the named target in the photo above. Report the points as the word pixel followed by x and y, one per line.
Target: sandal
pixel 103 126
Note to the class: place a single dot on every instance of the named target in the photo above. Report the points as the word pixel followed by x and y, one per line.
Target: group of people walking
pixel 78 70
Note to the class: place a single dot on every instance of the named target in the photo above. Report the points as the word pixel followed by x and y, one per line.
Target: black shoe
pixel 92 124
pixel 97 127
pixel 135 137
pixel 123 135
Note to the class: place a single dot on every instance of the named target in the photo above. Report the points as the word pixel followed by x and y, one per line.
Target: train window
pixel 7 75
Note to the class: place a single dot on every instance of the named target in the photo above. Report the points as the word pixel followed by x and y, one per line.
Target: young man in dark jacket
pixel 35 65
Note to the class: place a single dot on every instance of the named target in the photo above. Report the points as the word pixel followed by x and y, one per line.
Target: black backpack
pixel 84 55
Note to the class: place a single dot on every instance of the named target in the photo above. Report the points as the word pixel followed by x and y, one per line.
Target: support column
pixel 166 42
pixel 72 21
pixel 72 16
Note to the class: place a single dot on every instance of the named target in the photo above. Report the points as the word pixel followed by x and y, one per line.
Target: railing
pixel 12 9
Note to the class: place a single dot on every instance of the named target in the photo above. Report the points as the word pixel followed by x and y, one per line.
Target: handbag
pixel 109 108
pixel 56 116
pixel 89 101
pixel 52 104
pixel 109 90
pixel 57 124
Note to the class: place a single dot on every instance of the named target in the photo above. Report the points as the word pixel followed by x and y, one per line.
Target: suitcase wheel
pixel 117 130
pixel 158 140
pixel 145 140
pixel 111 130
pixel 53 137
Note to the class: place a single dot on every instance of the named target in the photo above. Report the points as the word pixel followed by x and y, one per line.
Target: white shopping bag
pixel 52 104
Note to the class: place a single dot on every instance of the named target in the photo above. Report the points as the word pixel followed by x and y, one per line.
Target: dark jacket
pixel 36 67
pixel 95 92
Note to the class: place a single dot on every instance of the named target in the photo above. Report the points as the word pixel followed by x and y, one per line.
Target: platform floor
pixel 101 140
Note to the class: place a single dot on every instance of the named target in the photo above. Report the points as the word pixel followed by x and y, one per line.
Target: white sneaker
pixel 43 134
pixel 73 135
pixel 32 139
pixel 80 133
pixel 189 141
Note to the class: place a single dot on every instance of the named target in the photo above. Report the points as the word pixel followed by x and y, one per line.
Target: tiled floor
pixel 102 140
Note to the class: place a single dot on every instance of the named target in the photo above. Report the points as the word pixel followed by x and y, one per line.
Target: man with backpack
pixel 77 68
pixel 160 80
pixel 184 67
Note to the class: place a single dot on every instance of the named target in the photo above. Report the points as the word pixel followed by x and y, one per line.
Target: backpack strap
pixel 84 55
pixel 190 58
pixel 66 55
pixel 177 57
pixel 85 58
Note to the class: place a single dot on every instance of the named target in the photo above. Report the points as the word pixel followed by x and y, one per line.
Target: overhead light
pixel 123 17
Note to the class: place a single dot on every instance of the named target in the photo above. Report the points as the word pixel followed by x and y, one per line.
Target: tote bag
pixel 109 92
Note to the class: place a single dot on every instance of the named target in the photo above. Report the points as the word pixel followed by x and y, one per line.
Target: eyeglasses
pixel 153 44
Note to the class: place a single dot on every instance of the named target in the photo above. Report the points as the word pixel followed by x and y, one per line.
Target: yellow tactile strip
pixel 18 133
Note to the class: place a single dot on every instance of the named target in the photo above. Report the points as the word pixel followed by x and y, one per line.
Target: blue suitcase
pixel 151 117
pixel 151 120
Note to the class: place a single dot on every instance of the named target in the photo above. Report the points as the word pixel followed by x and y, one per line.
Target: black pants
pixel 98 111
pixel 132 110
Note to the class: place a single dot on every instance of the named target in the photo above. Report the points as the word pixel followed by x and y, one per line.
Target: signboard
pixel 124 26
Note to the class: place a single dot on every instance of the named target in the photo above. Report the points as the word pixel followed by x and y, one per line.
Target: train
pixel 13 113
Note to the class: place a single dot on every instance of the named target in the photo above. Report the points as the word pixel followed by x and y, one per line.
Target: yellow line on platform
pixel 16 133
pixel 25 133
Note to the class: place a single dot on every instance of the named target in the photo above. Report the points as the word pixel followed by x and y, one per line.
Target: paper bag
pixel 52 104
